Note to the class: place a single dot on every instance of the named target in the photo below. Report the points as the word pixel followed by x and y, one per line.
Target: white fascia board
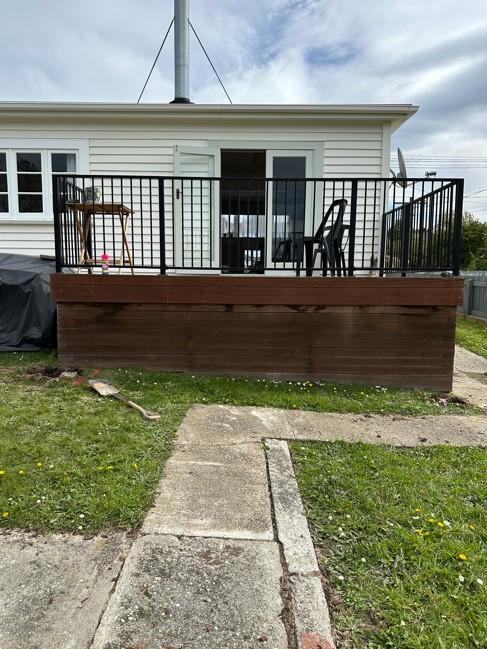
pixel 394 113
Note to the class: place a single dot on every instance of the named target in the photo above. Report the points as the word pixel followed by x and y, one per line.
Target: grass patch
pixel 401 536
pixel 472 336
pixel 72 461
pixel 90 463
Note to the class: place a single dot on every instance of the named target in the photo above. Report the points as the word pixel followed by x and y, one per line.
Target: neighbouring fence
pixel 475 296
pixel 240 225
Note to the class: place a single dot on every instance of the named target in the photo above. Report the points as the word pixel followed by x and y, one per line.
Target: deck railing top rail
pixel 337 226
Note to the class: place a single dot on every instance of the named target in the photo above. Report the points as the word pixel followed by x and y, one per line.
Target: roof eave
pixel 397 114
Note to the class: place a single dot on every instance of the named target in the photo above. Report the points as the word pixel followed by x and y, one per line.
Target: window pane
pixel 30 182
pixel 3 183
pixel 289 167
pixel 288 205
pixel 3 162
pixel 28 162
pixel 63 162
pixel 30 203
pixel 3 203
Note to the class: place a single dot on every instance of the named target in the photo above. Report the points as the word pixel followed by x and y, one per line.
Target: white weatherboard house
pixel 179 139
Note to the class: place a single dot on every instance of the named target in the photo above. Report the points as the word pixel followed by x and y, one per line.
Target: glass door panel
pixel 287 209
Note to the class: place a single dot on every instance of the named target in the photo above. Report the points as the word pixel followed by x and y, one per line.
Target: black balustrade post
pixel 162 228
pixel 57 223
pixel 457 232
pixel 406 237
pixel 353 227
pixel 383 244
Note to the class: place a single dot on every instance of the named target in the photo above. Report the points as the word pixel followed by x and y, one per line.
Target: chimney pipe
pixel 181 52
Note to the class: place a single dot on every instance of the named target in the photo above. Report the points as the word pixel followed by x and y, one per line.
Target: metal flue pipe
pixel 181 52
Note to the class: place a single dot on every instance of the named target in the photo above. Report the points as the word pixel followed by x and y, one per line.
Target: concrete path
pixel 224 559
pixel 225 562
pixel 470 377
pixel 206 572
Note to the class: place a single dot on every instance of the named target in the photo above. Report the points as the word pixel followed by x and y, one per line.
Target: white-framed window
pixel 26 176
pixel 3 183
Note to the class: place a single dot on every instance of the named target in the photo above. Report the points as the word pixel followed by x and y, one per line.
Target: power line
pixel 452 166
pixel 155 60
pixel 210 61
pixel 445 157
pixel 479 191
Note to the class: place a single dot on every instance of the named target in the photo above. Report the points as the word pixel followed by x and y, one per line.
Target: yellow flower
pixel 136 466
pixel 472 527
pixel 462 557
pixel 5 515
pixel 420 532
pixel 39 464
pixel 21 472
pixel 2 472
pixel 109 468
pixel 440 524
pixel 418 509
pixel 431 520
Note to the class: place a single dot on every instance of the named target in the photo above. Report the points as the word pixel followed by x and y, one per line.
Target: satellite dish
pixel 402 175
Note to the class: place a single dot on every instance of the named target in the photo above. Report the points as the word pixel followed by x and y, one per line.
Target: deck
pixel 333 279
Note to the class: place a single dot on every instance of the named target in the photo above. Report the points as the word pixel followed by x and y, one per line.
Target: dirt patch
pixel 51 372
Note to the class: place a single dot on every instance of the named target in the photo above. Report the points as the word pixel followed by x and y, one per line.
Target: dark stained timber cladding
pixel 408 345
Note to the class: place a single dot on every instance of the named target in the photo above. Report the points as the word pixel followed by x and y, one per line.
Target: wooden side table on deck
pixel 83 214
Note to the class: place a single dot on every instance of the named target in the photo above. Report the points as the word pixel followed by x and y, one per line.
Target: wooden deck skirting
pixel 380 331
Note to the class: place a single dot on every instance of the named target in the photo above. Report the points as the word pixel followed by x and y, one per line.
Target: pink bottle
pixel 105 268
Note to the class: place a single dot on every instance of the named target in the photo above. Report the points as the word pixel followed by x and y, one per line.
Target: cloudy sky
pixel 432 53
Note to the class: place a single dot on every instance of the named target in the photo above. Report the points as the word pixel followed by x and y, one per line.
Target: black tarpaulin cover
pixel 27 312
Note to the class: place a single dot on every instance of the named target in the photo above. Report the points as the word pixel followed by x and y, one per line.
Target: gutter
pixel 396 113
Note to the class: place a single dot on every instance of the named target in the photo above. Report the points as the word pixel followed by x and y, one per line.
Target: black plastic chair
pixel 329 240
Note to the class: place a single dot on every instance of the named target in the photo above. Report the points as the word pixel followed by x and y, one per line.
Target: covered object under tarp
pixel 27 312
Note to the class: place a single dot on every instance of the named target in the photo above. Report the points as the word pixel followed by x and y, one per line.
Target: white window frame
pixel 45 147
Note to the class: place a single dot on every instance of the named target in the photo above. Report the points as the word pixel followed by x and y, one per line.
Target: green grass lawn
pixel 71 460
pixel 472 336
pixel 401 536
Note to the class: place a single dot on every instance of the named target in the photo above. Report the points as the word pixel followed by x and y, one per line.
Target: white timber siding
pixel 147 147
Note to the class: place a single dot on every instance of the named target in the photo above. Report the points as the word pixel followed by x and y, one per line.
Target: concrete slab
pixel 466 361
pixel 230 424
pixel 53 590
pixel 458 430
pixel 291 522
pixel 311 615
pixel 213 491
pixel 237 425
pixel 472 388
pixel 198 593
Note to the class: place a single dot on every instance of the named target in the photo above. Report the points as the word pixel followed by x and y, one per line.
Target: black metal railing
pixel 341 226
pixel 421 232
